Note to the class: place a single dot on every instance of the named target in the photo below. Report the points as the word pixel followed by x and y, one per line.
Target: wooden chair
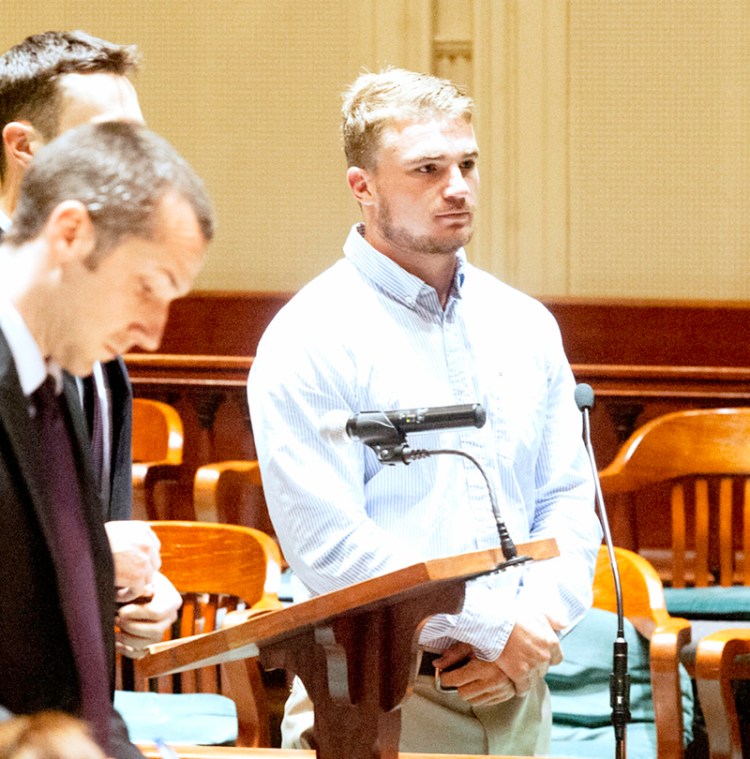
pixel 215 566
pixel 722 657
pixel 157 449
pixel 645 608
pixel 697 466
pixel 231 492
pixel 692 470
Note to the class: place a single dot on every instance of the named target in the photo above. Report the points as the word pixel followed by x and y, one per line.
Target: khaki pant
pixel 442 723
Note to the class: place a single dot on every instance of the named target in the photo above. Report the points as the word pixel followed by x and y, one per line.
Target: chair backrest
pixel 216 567
pixel 642 591
pixel 699 461
pixel 157 432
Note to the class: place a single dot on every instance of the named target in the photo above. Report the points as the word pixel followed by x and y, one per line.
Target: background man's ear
pixel 20 142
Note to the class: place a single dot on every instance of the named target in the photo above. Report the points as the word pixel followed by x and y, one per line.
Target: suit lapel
pixel 24 438
pixel 79 439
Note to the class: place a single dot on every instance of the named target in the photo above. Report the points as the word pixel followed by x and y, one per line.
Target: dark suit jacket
pixel 120 504
pixel 37 670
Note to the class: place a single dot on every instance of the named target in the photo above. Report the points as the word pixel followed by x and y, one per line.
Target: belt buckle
pixel 448 688
pixel 439 685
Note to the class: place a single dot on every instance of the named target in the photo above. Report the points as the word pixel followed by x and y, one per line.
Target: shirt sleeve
pixel 315 490
pixel 564 506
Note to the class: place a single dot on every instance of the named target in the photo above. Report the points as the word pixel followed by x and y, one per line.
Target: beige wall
pixel 614 133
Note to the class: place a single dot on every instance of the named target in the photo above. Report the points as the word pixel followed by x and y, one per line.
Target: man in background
pixel 50 83
pixel 405 321
pixel 111 225
pixel 47 735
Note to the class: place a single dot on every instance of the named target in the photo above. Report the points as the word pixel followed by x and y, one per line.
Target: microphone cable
pixel 507 545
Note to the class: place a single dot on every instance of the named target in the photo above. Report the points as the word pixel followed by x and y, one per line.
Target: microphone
pixel 584 395
pixel 382 428
pixel 619 679
pixel 385 432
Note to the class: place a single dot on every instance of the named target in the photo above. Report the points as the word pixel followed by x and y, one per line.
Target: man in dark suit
pixel 49 83
pixel 111 226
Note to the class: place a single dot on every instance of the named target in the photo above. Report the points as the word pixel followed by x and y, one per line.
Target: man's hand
pixel 478 682
pixel 531 649
pixel 135 550
pixel 141 624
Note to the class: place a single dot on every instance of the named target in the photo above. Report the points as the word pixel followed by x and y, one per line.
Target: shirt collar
pixel 387 276
pixel 5 222
pixel 31 366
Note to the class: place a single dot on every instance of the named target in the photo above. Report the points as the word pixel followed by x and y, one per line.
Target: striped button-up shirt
pixel 367 335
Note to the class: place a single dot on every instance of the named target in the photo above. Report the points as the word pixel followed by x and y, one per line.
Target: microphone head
pixel 480 416
pixel 584 396
pixel 332 427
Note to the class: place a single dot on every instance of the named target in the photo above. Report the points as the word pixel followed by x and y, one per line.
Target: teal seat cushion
pixel 579 687
pixel 205 719
pixel 709 603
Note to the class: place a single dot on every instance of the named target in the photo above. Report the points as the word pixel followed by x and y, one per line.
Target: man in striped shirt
pixel 404 321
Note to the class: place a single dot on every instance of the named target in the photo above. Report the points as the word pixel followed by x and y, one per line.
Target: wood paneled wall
pixel 643 358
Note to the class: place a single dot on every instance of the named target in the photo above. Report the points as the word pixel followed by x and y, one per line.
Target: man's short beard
pixel 400 237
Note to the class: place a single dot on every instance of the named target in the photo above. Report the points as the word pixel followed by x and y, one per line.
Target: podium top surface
pixel 245 639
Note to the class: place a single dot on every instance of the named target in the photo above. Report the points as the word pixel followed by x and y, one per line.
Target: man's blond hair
pixel 375 100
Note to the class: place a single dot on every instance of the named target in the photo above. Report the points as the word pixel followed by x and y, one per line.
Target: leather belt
pixel 426 667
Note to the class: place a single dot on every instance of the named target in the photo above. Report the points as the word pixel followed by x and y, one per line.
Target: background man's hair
pixel 47 735
pixel 120 171
pixel 375 100
pixel 30 71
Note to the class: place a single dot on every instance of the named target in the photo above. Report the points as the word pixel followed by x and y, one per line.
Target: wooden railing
pixel 210 394
pixel 642 358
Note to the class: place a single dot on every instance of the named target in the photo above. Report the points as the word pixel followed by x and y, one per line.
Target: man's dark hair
pixel 30 71
pixel 120 171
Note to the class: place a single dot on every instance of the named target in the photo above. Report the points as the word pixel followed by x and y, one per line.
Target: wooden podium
pixel 355 649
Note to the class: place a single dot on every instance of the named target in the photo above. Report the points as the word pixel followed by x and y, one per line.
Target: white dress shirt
pixel 31 367
pixel 5 222
pixel 367 335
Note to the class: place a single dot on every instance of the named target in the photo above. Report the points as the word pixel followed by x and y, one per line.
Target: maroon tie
pixel 74 564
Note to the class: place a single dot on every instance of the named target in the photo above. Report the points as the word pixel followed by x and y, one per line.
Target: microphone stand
pixel 401 453
pixel 619 679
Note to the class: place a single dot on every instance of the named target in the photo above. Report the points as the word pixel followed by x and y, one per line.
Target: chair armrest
pixel 209 478
pixel 146 476
pixel 715 668
pixel 668 639
pixel 143 471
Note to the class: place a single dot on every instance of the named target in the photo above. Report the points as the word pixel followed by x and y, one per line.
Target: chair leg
pixel 244 685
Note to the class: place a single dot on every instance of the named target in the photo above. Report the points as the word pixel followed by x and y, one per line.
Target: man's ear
pixel 359 181
pixel 70 233
pixel 20 142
